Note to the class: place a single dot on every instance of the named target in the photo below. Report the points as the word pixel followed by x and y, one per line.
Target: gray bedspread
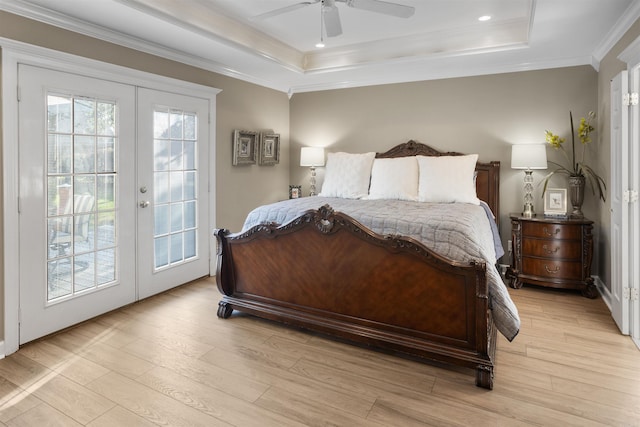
pixel 457 231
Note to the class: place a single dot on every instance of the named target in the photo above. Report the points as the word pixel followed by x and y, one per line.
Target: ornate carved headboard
pixel 487 180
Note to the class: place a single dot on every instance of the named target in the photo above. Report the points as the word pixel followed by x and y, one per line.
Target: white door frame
pixel 631 56
pixel 14 53
pixel 619 119
pixel 634 211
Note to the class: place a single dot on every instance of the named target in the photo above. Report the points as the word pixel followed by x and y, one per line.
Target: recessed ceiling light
pixel 484 18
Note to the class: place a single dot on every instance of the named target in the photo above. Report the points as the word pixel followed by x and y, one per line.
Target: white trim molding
pixel 604 291
pixel 625 22
pixel 631 55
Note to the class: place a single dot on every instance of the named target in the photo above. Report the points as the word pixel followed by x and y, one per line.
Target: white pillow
pixel 447 179
pixel 347 175
pixel 394 179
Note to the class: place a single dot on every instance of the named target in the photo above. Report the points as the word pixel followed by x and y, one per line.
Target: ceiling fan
pixel 331 17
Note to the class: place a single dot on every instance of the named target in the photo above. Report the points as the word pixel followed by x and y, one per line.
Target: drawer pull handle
pixel 549 251
pixel 546 267
pixel 556 231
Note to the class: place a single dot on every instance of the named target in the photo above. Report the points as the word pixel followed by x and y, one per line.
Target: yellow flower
pixel 554 140
pixel 585 128
pixel 576 167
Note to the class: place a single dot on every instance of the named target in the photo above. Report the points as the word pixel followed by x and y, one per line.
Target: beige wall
pixel 483 115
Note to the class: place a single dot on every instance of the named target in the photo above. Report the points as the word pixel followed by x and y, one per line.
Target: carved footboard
pixel 326 272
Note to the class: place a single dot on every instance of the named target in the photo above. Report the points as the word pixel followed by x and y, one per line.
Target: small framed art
pixel 555 202
pixel 295 191
pixel 244 147
pixel 269 149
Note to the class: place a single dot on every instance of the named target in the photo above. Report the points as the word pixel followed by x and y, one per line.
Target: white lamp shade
pixel 312 156
pixel 529 156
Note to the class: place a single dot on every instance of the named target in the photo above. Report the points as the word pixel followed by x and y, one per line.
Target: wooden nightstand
pixel 553 252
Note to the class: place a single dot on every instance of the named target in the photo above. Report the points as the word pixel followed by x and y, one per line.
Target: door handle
pixel 144 203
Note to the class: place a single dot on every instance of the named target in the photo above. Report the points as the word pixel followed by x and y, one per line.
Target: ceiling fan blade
pixel 378 6
pixel 282 10
pixel 332 24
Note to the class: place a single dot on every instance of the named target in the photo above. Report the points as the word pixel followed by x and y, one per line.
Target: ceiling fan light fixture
pixel 330 24
pixel 320 44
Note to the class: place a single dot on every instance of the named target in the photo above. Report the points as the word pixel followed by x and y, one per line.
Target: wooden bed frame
pixel 326 272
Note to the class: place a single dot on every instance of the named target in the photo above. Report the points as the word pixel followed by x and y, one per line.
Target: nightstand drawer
pixel 552 231
pixel 552 248
pixel 552 269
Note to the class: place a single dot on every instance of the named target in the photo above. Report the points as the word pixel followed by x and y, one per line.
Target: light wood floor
pixel 169 360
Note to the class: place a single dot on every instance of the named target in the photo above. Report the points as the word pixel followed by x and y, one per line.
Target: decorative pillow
pixel 394 179
pixel 447 179
pixel 347 175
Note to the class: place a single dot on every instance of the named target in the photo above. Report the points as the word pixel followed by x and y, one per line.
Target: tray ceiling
pixel 443 38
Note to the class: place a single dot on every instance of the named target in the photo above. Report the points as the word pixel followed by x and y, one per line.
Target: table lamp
pixel 312 157
pixel 528 157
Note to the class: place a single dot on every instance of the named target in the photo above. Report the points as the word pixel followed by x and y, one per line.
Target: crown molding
pixel 504 36
pixel 424 72
pixel 631 55
pixel 627 19
pixel 202 20
pixel 56 19
pixel 336 60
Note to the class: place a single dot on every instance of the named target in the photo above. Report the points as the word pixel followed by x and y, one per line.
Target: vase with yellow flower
pixel 579 172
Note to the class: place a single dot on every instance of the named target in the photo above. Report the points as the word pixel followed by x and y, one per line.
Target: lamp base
pixel 312 182
pixel 527 211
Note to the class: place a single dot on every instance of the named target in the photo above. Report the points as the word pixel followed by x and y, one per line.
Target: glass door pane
pixel 175 186
pixel 81 189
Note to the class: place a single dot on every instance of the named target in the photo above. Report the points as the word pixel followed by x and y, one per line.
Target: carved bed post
pixel 485 331
pixel 224 271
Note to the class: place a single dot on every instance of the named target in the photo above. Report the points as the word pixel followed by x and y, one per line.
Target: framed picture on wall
pixel 244 147
pixel 269 149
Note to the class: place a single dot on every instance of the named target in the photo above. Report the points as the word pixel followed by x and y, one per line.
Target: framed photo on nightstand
pixel 295 191
pixel 555 202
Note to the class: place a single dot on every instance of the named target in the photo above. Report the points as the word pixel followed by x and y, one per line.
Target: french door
pixel 172 190
pixel 620 266
pixel 625 217
pixel 113 196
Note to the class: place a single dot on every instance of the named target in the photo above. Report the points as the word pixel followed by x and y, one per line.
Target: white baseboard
pixel 604 291
pixel 606 297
